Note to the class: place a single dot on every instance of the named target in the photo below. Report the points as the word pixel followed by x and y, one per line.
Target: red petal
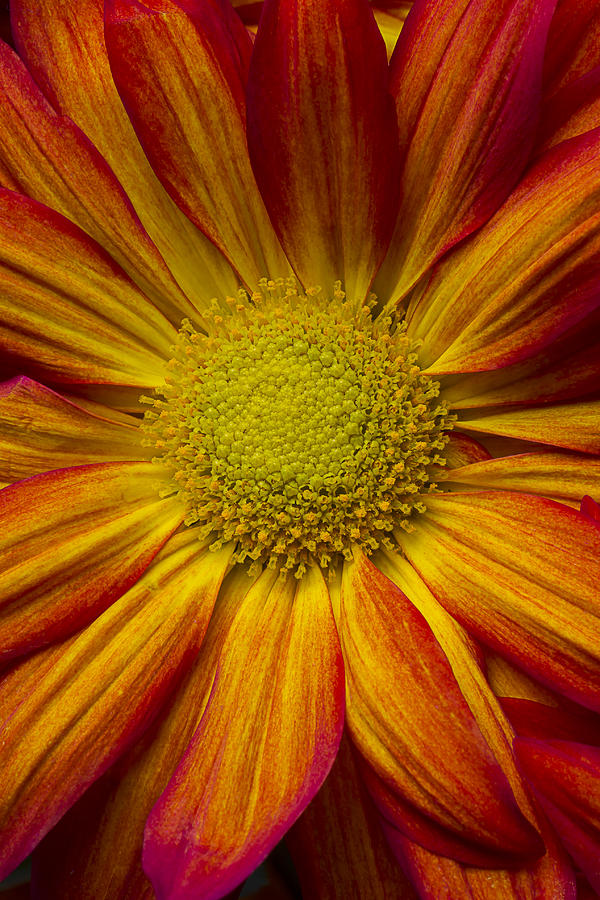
pixel 322 138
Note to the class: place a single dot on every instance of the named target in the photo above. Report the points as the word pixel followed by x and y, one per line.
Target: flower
pixel 302 404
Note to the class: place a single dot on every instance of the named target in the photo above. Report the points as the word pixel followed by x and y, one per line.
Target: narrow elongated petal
pixel 337 844
pixel 49 159
pixel 466 78
pixel 88 854
pixel 193 59
pixel 68 307
pixel 570 425
pixel 514 287
pixel 547 876
pixel 40 430
pixel 66 733
pixel 71 542
pixel 63 48
pixel 532 719
pixel 323 149
pixel 566 776
pixel 266 742
pixel 560 476
pixel 573 44
pixel 521 573
pixel 401 695
pixel 574 110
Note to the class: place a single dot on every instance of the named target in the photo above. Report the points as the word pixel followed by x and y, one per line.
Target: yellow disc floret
pixel 298 427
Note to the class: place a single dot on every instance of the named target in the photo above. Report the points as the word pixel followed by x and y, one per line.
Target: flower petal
pixel 573 43
pixel 68 307
pixel 63 48
pixel 462 450
pixel 401 695
pixel 49 159
pixel 521 573
pixel 570 425
pixel 40 430
pixel 574 109
pixel 566 776
pixel 72 541
pixel 193 59
pixel 337 844
pixel 526 277
pixel 88 854
pixel 266 742
pixel 466 78
pixel 590 508
pixel 561 476
pixel 323 149
pixel 75 724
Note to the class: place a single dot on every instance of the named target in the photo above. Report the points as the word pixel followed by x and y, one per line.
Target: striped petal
pixel 71 542
pixel 574 109
pixel 337 844
pixel 63 48
pixel 409 719
pixel 68 307
pixel 526 277
pixel 566 777
pixel 40 430
pixel 323 149
pixel 573 44
pixel 265 744
pixel 48 158
pixel 74 725
pixel 466 78
pixel 521 573
pixel 570 425
pixel 192 59
pixel 565 477
pixel 88 854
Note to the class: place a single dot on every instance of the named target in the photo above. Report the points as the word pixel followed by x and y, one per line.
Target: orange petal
pixel 466 78
pixel 68 307
pixel 48 158
pixel 521 573
pixel 442 877
pixel 409 719
pixel 193 62
pixel 72 541
pixel 323 148
pixel 590 508
pixel 74 725
pixel 88 854
pixel 266 742
pixel 561 476
pixel 40 430
pixel 566 776
pixel 526 277
pixel 63 48
pixel 337 844
pixel 574 109
pixel 570 425
pixel 573 44
pixel 462 450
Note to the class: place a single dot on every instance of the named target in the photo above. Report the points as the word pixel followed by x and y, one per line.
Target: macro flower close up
pixel 300 447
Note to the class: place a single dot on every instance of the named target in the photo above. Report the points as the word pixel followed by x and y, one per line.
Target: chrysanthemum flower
pixel 303 366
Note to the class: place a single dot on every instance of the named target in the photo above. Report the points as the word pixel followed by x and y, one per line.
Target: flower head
pixel 300 446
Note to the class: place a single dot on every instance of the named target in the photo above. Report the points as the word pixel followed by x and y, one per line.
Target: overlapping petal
pixel 71 542
pixel 63 47
pixel 561 476
pixel 521 573
pixel 89 854
pixel 40 430
pixel 394 666
pixel 192 58
pixel 68 308
pixel 466 77
pixel 573 44
pixel 266 742
pixel 337 843
pixel 323 149
pixel 48 158
pixel 573 426
pixel 102 693
pixel 526 277
pixel 574 110
pixel 566 776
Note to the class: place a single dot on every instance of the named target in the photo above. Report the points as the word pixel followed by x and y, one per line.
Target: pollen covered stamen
pixel 298 428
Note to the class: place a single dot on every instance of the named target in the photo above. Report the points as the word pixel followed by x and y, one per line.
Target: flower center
pixel 298 427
